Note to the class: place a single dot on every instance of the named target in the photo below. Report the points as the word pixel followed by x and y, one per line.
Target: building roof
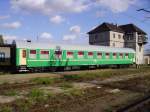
pixel 106 27
pixel 132 28
pixel 40 45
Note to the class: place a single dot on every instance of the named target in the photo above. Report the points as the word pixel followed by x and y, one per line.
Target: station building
pixel 113 35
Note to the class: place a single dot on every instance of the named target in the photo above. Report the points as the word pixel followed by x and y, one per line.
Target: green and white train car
pixel 32 56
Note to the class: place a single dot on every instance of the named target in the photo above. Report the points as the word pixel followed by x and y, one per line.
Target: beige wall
pixel 106 39
pixel 118 42
pixel 139 54
pixel 6 50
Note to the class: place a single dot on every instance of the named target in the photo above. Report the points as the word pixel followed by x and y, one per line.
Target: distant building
pixel 107 35
pixel 129 36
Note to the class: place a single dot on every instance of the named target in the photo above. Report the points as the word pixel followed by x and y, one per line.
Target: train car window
pixel 32 54
pixel 99 55
pixel 2 56
pixel 90 54
pixel 114 55
pixel 107 55
pixel 69 54
pixel 80 54
pixel 121 55
pixel 24 53
pixel 44 54
pixel 32 51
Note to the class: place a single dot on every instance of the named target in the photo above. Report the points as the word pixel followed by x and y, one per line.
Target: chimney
pixel 29 41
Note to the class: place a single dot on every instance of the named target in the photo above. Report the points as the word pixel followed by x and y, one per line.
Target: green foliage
pixel 66 85
pixel 103 74
pixel 11 93
pixel 37 95
pixel 43 80
pixel 74 92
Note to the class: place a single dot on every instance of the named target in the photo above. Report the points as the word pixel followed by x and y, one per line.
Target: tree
pixel 1 40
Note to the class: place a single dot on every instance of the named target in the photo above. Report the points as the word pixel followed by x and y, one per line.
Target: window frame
pixel 32 54
pixel 70 54
pixel 2 56
pixel 44 52
pixel 114 55
pixel 90 54
pixel 99 55
pixel 107 55
pixel 81 53
pixel 121 55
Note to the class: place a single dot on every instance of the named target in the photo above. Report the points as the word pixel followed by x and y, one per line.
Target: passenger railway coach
pixel 31 56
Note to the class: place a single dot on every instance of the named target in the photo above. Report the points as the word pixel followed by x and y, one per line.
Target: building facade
pixel 129 36
pixel 107 35
pixel 147 57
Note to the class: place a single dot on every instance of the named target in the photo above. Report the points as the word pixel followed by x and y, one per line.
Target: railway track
pixel 138 106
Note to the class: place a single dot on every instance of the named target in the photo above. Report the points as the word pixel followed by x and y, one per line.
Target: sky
pixel 67 21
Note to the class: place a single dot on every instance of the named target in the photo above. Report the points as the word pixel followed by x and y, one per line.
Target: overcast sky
pixel 67 20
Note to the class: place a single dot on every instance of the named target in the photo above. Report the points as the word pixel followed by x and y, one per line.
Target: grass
pixel 24 106
pixel 35 93
pixel 66 85
pixel 103 74
pixel 43 80
pixel 5 109
pixel 11 93
pixel 74 92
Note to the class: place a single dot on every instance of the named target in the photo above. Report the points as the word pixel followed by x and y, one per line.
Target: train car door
pixel 23 57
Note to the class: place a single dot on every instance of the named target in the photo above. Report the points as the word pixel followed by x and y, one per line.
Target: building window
pixel 95 38
pixel 113 44
pixel 90 54
pixel 140 47
pixel 24 53
pixel 44 54
pixel 69 54
pixel 114 35
pixel 119 36
pixel 80 54
pixel 99 55
pixel 2 56
pixel 32 54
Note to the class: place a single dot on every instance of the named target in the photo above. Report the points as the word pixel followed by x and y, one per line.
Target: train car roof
pixel 45 45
